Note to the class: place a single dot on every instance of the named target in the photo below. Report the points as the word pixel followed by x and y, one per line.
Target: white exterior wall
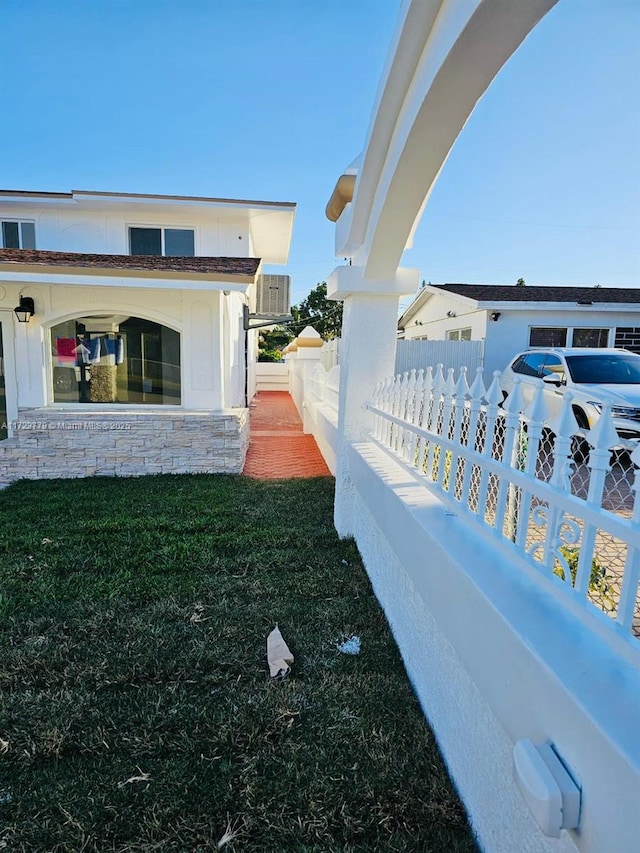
pixel 431 321
pixel 510 334
pixel 72 226
pixel 207 365
pixel 272 376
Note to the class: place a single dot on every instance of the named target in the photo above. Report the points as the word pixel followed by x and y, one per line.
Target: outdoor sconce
pixel 495 316
pixel 451 314
pixel 25 310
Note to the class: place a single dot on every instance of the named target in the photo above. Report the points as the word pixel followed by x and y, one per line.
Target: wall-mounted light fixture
pixel 451 314
pixel 25 310
pixel 495 316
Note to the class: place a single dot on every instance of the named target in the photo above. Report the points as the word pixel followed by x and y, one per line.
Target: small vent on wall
pixel 274 294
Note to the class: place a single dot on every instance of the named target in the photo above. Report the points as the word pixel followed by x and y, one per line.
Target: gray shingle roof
pixel 208 266
pixel 535 293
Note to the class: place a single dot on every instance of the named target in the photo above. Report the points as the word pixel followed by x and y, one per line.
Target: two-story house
pixel 122 343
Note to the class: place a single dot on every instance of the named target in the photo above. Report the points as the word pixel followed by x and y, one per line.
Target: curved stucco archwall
pixel 423 106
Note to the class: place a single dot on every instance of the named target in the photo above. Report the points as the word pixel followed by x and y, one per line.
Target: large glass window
pixel 172 242
pixel 115 359
pixel 18 235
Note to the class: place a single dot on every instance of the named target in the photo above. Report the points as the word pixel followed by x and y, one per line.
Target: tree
pixel 521 283
pixel 325 315
pixel 272 341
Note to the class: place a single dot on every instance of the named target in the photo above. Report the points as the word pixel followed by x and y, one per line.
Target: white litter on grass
pixel 6 796
pixel 279 656
pixel 350 646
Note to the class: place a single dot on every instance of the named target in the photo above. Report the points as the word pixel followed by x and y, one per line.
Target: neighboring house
pixel 135 358
pixel 511 318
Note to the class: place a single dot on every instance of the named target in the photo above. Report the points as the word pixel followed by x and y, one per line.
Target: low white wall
pixel 322 422
pixel 272 376
pixel 493 660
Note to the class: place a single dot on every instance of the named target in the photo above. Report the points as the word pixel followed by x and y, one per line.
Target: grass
pixel 136 709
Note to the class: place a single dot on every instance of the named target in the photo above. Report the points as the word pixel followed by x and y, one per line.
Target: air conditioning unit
pixel 274 295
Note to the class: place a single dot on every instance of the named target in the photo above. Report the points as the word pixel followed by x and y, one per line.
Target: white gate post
pixel 367 356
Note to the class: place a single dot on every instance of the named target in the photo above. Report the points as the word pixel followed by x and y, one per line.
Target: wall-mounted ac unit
pixel 274 295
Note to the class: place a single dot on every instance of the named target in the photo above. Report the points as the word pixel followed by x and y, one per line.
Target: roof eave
pixel 52 273
pixel 487 305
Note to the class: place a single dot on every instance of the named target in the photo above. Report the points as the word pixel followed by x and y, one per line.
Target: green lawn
pixel 136 710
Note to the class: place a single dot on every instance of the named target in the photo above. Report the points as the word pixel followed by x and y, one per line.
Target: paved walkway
pixel 278 449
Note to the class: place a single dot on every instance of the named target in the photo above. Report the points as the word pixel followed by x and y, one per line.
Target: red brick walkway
pixel 278 449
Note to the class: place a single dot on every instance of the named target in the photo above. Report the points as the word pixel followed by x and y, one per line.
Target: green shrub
pixel 597 581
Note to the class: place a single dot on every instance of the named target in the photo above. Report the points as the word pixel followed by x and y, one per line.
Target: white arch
pixel 444 57
pixel 53 318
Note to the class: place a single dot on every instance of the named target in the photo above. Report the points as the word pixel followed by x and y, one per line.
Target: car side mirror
pixel 553 379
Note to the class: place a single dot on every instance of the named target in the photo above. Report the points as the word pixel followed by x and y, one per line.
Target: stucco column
pixel 308 354
pixel 367 356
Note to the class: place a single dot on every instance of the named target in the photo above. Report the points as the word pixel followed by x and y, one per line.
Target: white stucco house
pixel 122 340
pixel 510 318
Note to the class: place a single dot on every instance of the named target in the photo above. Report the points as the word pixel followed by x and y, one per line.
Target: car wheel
pixel 581 419
pixel 580 447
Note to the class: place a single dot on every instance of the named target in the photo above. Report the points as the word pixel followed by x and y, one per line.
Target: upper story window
pixel 18 235
pixel 171 242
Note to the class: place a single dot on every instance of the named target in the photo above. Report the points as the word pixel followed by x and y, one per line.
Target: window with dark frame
pixel 18 235
pixel 548 336
pixel 169 242
pixel 591 338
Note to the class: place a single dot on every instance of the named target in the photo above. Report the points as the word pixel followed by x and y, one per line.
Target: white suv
pixel 595 376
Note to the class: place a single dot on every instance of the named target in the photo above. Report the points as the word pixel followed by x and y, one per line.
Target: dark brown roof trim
pixel 204 265
pixel 34 194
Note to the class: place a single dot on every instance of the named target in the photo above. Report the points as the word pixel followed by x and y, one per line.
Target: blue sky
pixel 271 99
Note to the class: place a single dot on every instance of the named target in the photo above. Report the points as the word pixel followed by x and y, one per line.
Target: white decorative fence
pixel 551 502
pixel 506 555
pixel 330 354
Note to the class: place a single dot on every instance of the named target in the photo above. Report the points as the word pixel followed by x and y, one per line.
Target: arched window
pixel 115 359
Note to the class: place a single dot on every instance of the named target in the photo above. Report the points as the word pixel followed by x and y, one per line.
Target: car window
pixel 553 366
pixel 532 363
pixel 612 369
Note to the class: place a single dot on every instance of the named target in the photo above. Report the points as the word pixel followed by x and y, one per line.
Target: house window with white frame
pixel 17 234
pixel 170 242
pixel 459 334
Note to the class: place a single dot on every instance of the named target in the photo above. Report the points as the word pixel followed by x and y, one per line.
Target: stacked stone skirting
pixel 48 443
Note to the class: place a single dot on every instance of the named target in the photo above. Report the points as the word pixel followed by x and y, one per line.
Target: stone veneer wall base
pixel 49 443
